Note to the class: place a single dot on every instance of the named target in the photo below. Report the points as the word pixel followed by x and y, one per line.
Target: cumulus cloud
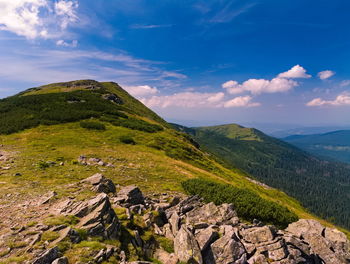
pixel 197 100
pixel 67 11
pixel 258 86
pixel 36 18
pixel 63 43
pixel 295 72
pixel 281 83
pixel 323 75
pixel 141 90
pixel 340 100
pixel 241 101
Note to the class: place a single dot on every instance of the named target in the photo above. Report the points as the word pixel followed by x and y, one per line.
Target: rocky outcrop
pixel 174 230
pixel 186 247
pixel 330 245
pixel 130 195
pixel 100 183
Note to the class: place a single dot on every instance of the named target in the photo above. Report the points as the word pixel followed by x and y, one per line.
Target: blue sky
pixel 194 62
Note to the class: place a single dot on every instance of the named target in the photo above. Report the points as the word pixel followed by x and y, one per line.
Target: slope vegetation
pixel 322 186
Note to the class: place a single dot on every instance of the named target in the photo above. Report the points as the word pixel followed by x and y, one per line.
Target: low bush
pixel 127 140
pixel 248 204
pixel 93 125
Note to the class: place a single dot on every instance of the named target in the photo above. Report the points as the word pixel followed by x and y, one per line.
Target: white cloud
pixel 36 18
pixel 345 83
pixel 258 86
pixel 340 100
pixel 67 11
pixel 22 17
pixel 197 100
pixel 281 83
pixel 241 101
pixel 141 90
pixel 139 26
pixel 323 75
pixel 63 43
pixel 295 72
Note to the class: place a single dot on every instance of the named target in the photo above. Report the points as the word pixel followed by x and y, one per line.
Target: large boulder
pixel 205 237
pixel 100 221
pixel 210 214
pixel 100 183
pixel 130 195
pixel 227 250
pixel 257 235
pixel 328 244
pixel 186 247
pixel 48 256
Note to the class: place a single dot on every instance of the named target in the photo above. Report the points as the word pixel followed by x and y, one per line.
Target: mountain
pixel 320 185
pixel 55 137
pixel 334 145
pixel 304 131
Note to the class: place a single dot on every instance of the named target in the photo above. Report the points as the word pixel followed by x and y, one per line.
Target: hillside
pixel 54 136
pixel 334 145
pixel 321 186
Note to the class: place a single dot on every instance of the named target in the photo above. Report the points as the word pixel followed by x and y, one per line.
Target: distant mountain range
pixel 334 145
pixel 319 184
pixel 282 133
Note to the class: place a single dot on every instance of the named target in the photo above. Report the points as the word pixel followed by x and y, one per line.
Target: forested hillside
pixel 334 145
pixel 322 186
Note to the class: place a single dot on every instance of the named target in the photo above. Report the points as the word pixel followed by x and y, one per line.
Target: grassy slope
pixel 334 145
pixel 280 165
pixel 140 164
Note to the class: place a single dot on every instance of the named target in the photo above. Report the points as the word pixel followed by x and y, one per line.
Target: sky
pixel 194 62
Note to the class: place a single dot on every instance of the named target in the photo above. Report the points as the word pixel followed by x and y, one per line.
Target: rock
pixel 48 256
pixel 226 250
pixel 186 247
pixel 174 222
pixel 329 244
pixel 62 260
pixel 165 257
pixel 47 197
pixel 100 183
pixel 257 235
pixel 113 98
pixel 206 237
pixel 102 220
pixel 87 207
pixel 130 195
pixel 305 226
pixel 210 214
pixel 340 242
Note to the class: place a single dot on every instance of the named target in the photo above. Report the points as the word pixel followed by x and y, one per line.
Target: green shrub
pixel 127 140
pixel 94 125
pixel 248 205
pixel 137 124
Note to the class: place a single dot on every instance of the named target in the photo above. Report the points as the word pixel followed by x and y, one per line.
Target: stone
pixel 174 222
pixel 206 237
pixel 48 256
pixel 305 226
pixel 227 250
pixel 131 195
pixel 186 247
pixel 47 198
pixel 102 220
pixel 62 260
pixel 87 207
pixel 165 257
pixel 100 183
pixel 211 214
pixel 257 234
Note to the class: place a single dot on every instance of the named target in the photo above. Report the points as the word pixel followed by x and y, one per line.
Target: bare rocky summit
pixel 166 228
